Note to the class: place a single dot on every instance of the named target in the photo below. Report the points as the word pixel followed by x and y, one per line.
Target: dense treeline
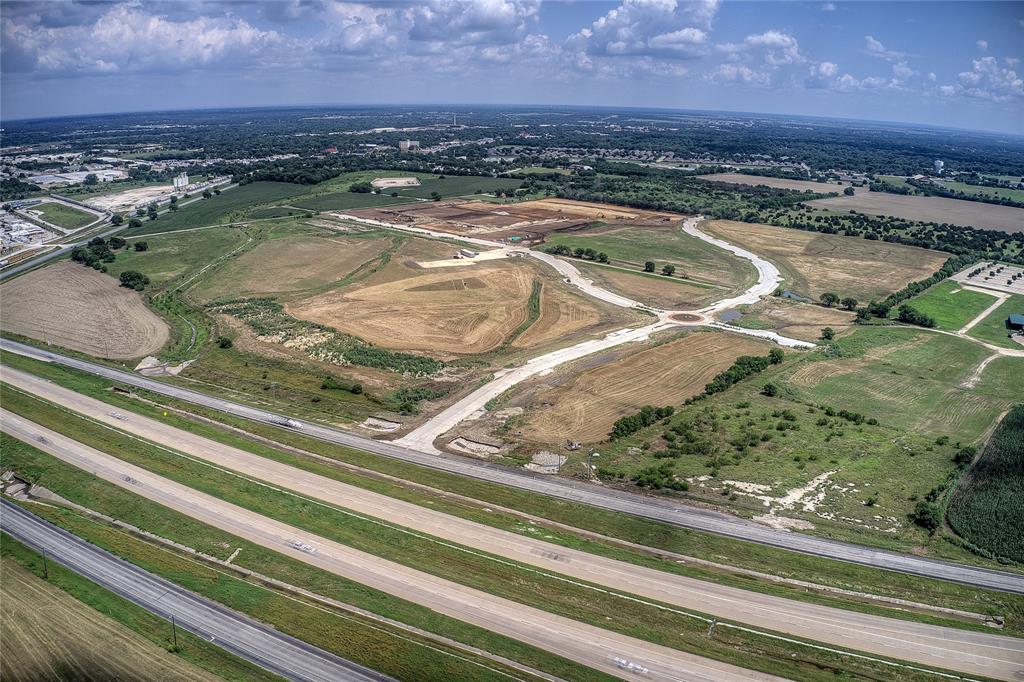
pixel 988 509
pixel 663 191
pixel 743 367
pixel 630 424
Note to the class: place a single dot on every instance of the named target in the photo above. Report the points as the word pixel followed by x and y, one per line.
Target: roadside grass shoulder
pixel 193 649
pixel 643 619
pixel 365 641
pixel 524 511
pixel 993 328
pixel 950 305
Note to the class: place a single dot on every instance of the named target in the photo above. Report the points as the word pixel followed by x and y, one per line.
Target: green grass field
pixel 978 190
pixel 912 382
pixel 230 205
pixel 344 200
pixel 993 328
pixel 63 216
pixel 632 247
pixel 457 186
pixel 172 256
pixel 950 305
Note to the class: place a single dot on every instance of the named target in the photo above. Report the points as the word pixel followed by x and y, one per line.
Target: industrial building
pixel 409 145
pixel 180 182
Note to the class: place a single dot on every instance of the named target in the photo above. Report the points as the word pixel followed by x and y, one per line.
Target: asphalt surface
pixel 977 653
pixel 286 656
pixel 658 509
pixel 588 645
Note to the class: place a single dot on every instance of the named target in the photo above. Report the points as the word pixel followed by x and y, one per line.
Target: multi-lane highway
pixel 659 509
pixel 586 644
pixel 980 653
pixel 286 656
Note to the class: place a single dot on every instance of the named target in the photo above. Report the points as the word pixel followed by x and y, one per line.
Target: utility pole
pixel 590 463
pixel 46 569
pixel 174 633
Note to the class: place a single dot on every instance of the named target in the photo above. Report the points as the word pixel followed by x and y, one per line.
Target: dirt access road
pixel 586 644
pixel 966 651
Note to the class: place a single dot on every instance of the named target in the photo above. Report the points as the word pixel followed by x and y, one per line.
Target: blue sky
pixel 946 63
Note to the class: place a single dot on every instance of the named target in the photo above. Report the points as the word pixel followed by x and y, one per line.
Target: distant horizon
pixel 951 65
pixel 506 105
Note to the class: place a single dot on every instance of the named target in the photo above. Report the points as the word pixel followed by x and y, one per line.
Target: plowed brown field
pixel 79 308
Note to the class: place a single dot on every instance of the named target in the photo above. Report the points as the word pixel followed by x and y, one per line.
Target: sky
pixel 955 64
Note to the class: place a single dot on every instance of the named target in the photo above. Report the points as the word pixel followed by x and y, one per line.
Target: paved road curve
pixel 976 653
pixel 586 644
pixel 659 509
pixel 286 656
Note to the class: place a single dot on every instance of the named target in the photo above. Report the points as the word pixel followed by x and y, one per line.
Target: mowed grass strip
pixel 648 621
pixel 617 526
pixel 395 652
pixel 68 627
pixel 993 328
pixel 951 305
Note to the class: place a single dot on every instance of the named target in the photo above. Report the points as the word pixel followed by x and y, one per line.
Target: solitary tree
pixel 828 333
pixel 134 222
pixel 849 303
pixel 770 390
pixel 829 299
pixel 668 270
pixel 207 194
pixel 141 246
pixel 435 196
pixel 91 179
pixel 649 266
pixel 848 191
pixel 116 219
pixel 602 257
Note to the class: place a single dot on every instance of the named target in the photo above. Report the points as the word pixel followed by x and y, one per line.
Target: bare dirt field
pixel 798 320
pixel 452 312
pixel 524 222
pixel 778 183
pixel 79 308
pixel 935 209
pixel 122 201
pixel 289 263
pixel 814 263
pixel 564 313
pixel 50 635
pixel 584 404
pixel 386 183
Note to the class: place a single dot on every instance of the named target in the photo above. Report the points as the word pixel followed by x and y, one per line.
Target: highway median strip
pixel 540 591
